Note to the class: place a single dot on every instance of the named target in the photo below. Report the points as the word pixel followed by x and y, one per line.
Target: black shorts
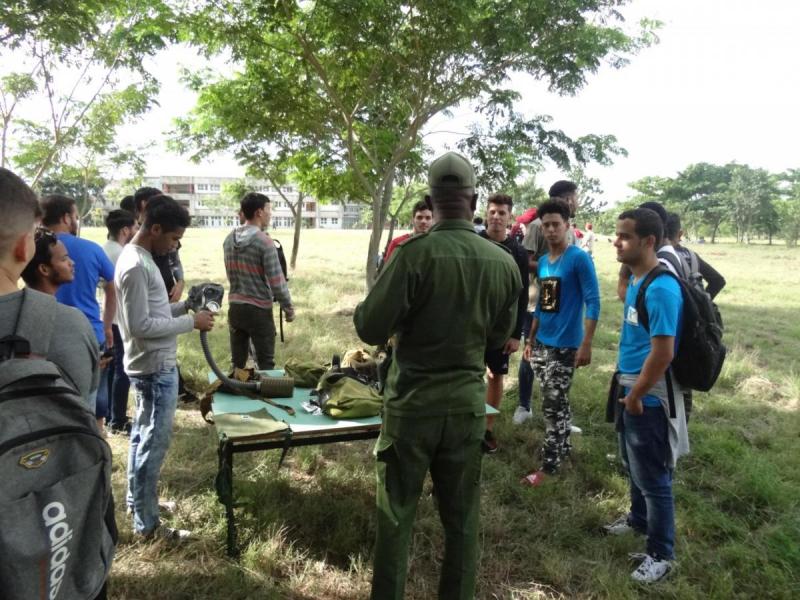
pixel 496 361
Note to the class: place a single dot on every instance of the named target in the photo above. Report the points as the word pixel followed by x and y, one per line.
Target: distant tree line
pixel 732 200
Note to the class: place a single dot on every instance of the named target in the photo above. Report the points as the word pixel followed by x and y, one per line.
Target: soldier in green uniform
pixel 447 295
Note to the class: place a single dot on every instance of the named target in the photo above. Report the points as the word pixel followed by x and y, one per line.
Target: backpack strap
pixel 38 324
pixel 644 321
pixel 674 261
pixel 32 329
pixel 641 309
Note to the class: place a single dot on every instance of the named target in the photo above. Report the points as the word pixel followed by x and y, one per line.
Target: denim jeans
pixel 121 385
pixel 151 432
pixel 645 452
pixel 104 389
pixel 525 375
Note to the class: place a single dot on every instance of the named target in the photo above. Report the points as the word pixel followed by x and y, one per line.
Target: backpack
pixel 701 353
pixel 57 528
pixel 306 374
pixel 281 258
pixel 343 393
pixel 677 263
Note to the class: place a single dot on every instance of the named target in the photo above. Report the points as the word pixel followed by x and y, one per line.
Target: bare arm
pixel 109 312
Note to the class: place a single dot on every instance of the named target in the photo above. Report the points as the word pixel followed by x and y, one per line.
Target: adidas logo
pixel 59 532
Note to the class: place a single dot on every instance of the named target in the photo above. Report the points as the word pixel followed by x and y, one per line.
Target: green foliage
pixel 358 81
pixel 77 54
pixel 714 197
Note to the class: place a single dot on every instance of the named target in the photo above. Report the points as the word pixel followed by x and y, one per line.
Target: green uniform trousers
pixel 450 448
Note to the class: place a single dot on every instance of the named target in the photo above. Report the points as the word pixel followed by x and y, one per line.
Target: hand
pixel 204 320
pixel 288 314
pixel 109 333
pixel 632 405
pixel 105 361
pixel 583 356
pixel 511 346
pixel 489 374
pixel 527 352
pixel 177 291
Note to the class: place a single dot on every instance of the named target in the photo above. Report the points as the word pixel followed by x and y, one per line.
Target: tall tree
pixel 367 76
pixel 77 55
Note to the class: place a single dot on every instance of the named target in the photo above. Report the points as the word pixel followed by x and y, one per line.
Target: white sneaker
pixel 651 570
pixel 168 506
pixel 619 527
pixel 521 415
pixel 575 429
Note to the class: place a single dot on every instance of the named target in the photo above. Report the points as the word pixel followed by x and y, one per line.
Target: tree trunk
pixel 380 207
pixel 392 223
pixel 298 225
pixel 714 233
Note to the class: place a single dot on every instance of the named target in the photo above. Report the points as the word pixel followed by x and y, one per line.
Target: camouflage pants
pixel 554 367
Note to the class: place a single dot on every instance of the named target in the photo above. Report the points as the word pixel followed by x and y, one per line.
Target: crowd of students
pixel 457 304
pixel 431 299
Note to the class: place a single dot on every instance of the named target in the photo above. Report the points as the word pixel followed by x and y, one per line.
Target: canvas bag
pixel 57 529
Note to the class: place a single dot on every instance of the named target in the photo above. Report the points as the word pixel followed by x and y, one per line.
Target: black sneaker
pixel 489 443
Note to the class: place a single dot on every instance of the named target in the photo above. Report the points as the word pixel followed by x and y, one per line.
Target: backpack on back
pixel 701 353
pixel 57 530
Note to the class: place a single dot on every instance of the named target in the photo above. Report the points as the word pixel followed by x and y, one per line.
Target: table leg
pixel 225 492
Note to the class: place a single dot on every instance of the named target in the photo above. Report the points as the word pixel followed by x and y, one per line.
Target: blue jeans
pixel 104 389
pixel 121 385
pixel 525 373
pixel 156 401
pixel 525 376
pixel 645 452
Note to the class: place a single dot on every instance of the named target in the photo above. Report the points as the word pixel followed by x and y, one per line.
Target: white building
pixel 201 197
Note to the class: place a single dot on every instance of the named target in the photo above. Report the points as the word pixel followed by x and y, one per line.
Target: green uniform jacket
pixel 448 295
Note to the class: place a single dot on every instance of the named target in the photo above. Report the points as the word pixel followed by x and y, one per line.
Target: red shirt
pixel 394 244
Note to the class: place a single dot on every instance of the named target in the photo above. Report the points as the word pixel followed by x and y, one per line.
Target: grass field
pixel 307 530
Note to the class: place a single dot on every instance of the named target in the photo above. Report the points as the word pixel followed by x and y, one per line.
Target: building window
pixel 178 188
pixel 334 220
pixel 323 220
pixel 202 187
pixel 213 187
pixel 310 206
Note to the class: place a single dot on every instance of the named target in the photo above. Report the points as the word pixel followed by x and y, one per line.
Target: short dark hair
pixel 647 222
pixel 44 240
pixel 54 207
pixel 129 204
pixel 117 220
pixel 477 221
pixel 657 208
pixel 143 194
pixel 673 226
pixel 165 211
pixel 252 202
pixel 502 199
pixel 420 206
pixel 18 207
pixel 553 207
pixel 562 188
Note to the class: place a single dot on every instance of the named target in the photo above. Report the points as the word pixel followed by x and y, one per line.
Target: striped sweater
pixel 255 275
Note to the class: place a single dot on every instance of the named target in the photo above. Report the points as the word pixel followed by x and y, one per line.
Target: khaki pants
pixel 450 448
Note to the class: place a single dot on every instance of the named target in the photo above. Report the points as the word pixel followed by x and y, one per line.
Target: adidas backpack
pixel 701 353
pixel 57 530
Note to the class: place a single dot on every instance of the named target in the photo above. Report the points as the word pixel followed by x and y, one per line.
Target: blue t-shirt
pixel 566 285
pixel 664 304
pixel 91 265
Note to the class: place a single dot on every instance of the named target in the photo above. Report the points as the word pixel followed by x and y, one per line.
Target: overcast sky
pixel 722 85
